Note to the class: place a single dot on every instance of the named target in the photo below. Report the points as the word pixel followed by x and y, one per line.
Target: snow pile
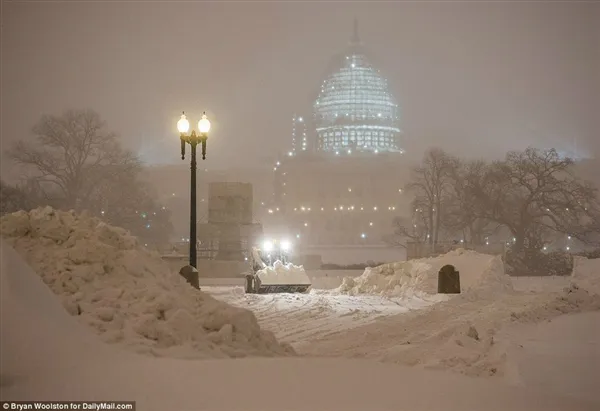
pixel 466 333
pixel 415 277
pixel 47 355
pixel 283 274
pixel 128 294
pixel 491 282
pixel 586 274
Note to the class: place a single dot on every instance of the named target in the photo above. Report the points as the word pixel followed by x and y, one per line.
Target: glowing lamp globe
pixel 183 125
pixel 204 124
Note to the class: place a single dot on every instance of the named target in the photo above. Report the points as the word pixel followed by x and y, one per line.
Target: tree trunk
pixel 519 243
pixel 431 227
pixel 437 221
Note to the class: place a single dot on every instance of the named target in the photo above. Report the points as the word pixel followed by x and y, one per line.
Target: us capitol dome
pixel 341 182
pixel 354 110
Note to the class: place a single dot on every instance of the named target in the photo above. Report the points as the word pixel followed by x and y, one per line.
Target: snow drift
pixel 586 274
pixel 74 365
pixel 128 294
pixel 283 274
pixel 402 279
pixel 464 333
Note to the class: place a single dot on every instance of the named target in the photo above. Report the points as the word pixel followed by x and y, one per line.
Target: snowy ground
pixel 523 339
pixel 538 337
pixel 300 318
pixel 74 365
pixel 562 355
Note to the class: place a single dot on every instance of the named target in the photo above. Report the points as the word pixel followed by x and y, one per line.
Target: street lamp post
pixel 193 139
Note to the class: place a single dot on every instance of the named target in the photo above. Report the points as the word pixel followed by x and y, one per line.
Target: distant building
pixel 299 136
pixel 355 110
pixel 341 184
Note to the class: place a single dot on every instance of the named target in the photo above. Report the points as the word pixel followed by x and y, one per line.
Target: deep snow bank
pixel 586 274
pixel 463 334
pixel 478 272
pixel 128 294
pixel 47 355
pixel 283 274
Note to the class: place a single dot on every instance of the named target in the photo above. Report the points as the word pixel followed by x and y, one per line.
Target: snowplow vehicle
pixel 272 272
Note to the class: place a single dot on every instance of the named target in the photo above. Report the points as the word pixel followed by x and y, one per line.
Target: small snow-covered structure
pixel 415 277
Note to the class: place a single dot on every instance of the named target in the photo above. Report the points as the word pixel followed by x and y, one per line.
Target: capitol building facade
pixel 341 182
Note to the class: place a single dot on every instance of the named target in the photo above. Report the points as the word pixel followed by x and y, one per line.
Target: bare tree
pixel 12 199
pixel 23 196
pixel 73 154
pixel 460 213
pixel 414 228
pixel 430 183
pixel 78 164
pixel 125 201
pixel 535 192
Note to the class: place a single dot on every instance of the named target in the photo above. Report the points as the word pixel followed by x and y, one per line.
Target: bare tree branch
pixel 430 183
pixel 535 192
pixel 73 152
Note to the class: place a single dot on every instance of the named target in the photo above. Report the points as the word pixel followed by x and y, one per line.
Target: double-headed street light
pixel 193 139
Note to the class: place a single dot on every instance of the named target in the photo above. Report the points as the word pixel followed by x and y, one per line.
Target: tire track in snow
pixel 300 318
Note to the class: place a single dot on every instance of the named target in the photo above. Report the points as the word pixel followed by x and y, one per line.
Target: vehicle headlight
pixel 286 246
pixel 267 246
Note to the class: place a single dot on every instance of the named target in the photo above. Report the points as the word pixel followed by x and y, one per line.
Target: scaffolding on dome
pixel 355 109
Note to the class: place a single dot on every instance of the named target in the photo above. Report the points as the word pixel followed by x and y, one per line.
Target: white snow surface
pixel 586 274
pixel 298 319
pixel 127 294
pixel 74 365
pixel 560 356
pixel 465 334
pixel 478 272
pixel 283 274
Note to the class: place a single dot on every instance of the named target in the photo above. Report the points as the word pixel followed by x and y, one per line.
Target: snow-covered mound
pixel 47 355
pixel 477 271
pixel 128 294
pixel 586 274
pixel 283 274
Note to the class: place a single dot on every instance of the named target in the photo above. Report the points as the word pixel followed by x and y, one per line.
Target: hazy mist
pixel 477 78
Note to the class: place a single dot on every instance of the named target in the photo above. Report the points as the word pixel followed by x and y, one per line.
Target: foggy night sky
pixel 481 78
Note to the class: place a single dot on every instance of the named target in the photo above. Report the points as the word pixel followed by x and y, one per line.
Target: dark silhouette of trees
pixel 75 162
pixel 532 194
